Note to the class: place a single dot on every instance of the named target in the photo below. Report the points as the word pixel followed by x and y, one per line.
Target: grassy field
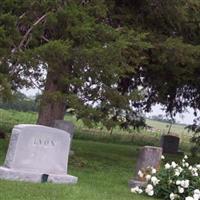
pixel 9 118
pixel 12 117
pixel 104 163
pixel 164 127
pixel 103 171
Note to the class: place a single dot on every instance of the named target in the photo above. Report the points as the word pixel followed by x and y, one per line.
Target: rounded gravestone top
pixel 22 126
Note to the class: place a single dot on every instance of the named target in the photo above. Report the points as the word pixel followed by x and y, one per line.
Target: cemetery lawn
pixel 103 170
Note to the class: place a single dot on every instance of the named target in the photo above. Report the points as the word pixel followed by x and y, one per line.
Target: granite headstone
pixel 35 151
pixel 66 126
pixel 149 156
pixel 69 128
pixel 170 144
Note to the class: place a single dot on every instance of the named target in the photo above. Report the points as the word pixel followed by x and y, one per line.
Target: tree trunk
pixel 52 105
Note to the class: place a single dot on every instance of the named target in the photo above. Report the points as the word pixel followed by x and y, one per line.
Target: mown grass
pixel 103 171
pixel 104 163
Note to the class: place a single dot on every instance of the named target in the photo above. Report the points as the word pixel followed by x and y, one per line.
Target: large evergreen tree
pixel 83 53
pixel 105 59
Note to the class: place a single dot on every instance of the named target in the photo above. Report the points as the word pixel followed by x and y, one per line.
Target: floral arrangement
pixel 173 182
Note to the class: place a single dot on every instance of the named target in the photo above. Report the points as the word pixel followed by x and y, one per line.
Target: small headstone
pixel 170 144
pixel 149 156
pixel 2 135
pixel 68 127
pixel 36 154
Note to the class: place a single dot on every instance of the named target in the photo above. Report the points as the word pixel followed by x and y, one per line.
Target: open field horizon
pixel 9 118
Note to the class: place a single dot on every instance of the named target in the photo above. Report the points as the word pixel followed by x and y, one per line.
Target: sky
pixel 185 118
pixel 30 92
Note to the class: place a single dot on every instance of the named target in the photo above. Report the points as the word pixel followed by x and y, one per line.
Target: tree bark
pixel 51 107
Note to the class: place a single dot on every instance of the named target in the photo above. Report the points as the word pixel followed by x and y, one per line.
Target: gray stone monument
pixel 37 154
pixel 170 144
pixel 68 127
pixel 149 156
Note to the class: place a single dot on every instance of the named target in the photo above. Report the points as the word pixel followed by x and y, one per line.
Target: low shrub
pixel 173 182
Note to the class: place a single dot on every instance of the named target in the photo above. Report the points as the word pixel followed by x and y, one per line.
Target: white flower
pixel 195 174
pixel 198 166
pixel 172 196
pixel 185 183
pixel 189 198
pixel 151 193
pixel 136 190
pixel 178 182
pixel 167 166
pixel 153 170
pixel 196 197
pixel 194 171
pixel 197 191
pixel 177 173
pixel 180 189
pixel 162 157
pixel 180 169
pixel 149 190
pixel 173 164
pixel 140 174
pixel 140 191
pixel 185 157
pixel 149 187
pixel 148 177
pixel 154 180
pixel 186 164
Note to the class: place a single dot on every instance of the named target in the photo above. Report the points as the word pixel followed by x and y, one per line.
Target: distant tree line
pixel 20 102
pixel 163 118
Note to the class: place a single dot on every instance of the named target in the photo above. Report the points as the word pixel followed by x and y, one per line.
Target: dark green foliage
pixel 196 138
pixel 87 57
pixel 107 60
pixel 170 74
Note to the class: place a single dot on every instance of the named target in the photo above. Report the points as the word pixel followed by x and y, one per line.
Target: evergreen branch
pixel 27 41
pixel 21 16
pixel 44 38
pixel 29 31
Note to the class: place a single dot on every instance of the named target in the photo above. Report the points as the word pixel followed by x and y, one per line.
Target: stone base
pixel 17 175
pixel 133 183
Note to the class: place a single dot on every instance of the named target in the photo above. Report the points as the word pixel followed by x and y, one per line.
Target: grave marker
pixel 149 156
pixel 170 144
pixel 35 150
pixel 68 127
